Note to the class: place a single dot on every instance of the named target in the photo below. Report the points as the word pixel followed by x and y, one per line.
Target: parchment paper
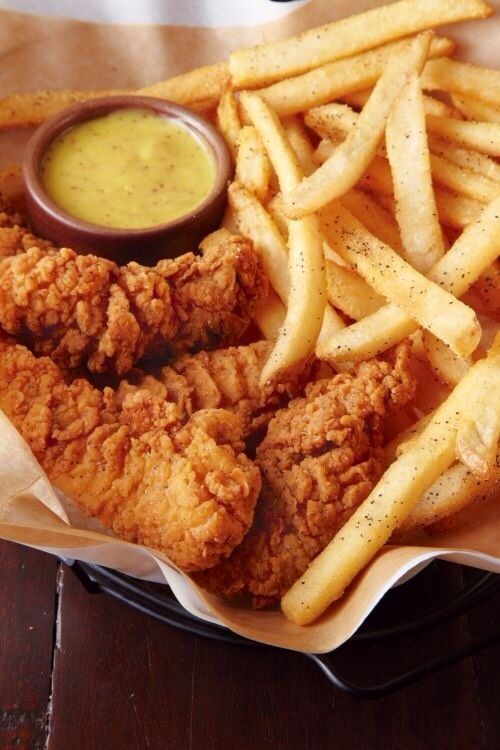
pixel 38 52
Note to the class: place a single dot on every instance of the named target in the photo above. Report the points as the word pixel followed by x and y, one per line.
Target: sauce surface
pixel 130 169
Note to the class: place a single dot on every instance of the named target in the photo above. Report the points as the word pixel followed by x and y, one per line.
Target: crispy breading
pixel 81 309
pixel 320 459
pixel 224 378
pixel 184 488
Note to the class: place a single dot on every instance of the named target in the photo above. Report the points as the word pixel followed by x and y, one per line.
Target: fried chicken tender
pixel 81 309
pixel 184 488
pixel 224 378
pixel 320 459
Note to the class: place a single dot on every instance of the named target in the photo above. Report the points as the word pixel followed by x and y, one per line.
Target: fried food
pixel 81 309
pixel 184 488
pixel 223 379
pixel 320 459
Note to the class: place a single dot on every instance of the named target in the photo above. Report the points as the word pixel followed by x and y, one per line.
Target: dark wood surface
pixel 82 671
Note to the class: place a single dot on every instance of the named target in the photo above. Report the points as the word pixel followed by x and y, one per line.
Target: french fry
pixel 391 501
pixel 390 276
pixel 228 120
pixel 307 297
pixel 449 368
pixel 378 178
pixel 456 210
pixel 474 109
pixel 432 106
pixel 479 136
pixel 470 160
pixel 332 322
pixel 299 139
pixel 477 438
pixel 409 158
pixel 201 85
pixel 253 168
pixel 488 288
pixel 473 252
pixel 273 61
pixel 464 79
pixel 274 209
pixel 270 315
pixel 375 218
pixel 350 159
pixel 350 293
pixel 254 222
pixel 338 78
pixel 463 181
pixel 454 490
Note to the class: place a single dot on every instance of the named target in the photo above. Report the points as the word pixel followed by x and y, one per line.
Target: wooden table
pixel 81 671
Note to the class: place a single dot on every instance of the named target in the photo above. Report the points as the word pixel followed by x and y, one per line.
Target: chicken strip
pixel 83 309
pixel 321 458
pixel 185 489
pixel 224 378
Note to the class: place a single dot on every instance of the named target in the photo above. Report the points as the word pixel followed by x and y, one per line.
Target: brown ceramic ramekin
pixel 146 245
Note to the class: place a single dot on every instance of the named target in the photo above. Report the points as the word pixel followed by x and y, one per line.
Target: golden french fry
pixel 332 322
pixel 479 136
pixel 473 161
pixel 456 210
pixel 274 209
pixel 449 368
pixel 475 109
pixel 473 252
pixel 299 139
pixel 270 315
pixel 351 158
pixel 338 78
pixel 390 502
pixel 477 438
pixel 253 221
pixel 432 106
pixel 375 218
pixel 307 297
pixel 253 168
pixel 199 86
pixel 390 276
pixel 453 491
pixel 228 120
pixel 464 79
pixel 488 288
pixel 463 181
pixel 276 60
pixel 409 158
pixel 350 293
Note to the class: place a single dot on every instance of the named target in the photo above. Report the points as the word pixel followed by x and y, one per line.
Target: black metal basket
pixel 158 602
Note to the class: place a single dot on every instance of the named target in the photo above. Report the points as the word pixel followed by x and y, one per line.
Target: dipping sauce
pixel 130 169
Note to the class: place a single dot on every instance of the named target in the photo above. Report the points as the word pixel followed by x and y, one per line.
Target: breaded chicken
pixel 81 309
pixel 184 488
pixel 320 459
pixel 224 378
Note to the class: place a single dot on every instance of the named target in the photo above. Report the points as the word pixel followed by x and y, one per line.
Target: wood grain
pixel 27 597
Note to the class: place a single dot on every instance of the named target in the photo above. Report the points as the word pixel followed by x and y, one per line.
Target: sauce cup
pixel 145 245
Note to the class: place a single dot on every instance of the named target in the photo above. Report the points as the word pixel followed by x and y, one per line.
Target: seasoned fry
pixel 477 438
pixel 390 276
pixel 462 180
pixel 456 210
pixel 488 288
pixel 408 155
pixel 375 218
pixel 350 293
pixel 202 85
pixel 350 159
pixel 391 501
pixel 463 78
pixel 432 106
pixel 228 120
pixel 306 301
pixel 473 252
pixel 332 322
pixel 449 368
pixel 474 109
pixel 338 78
pixel 253 221
pixel 299 139
pixel 479 136
pixel 270 315
pixel 276 60
pixel 253 168
pixel 471 160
